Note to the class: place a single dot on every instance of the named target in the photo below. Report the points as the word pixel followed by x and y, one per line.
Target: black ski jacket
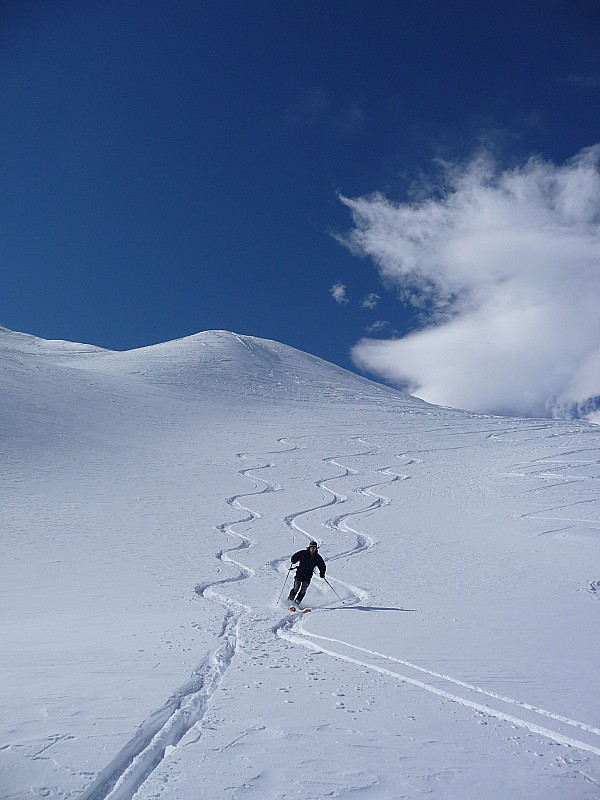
pixel 307 563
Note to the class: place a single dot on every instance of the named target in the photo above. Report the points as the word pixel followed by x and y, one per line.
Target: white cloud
pixel 370 301
pixel 507 265
pixel 338 292
pixel 378 325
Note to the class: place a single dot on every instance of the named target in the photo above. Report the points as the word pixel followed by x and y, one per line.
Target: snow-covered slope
pixel 150 501
pixel 12 342
pixel 227 365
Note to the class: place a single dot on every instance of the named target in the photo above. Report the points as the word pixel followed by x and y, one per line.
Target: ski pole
pixel 332 589
pixel 284 583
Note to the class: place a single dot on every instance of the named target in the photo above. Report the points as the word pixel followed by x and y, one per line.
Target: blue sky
pixel 171 167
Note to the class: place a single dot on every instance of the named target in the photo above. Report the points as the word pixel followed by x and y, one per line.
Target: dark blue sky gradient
pixel 171 167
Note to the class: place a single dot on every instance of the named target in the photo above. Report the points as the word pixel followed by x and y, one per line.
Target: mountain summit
pixel 228 364
pixel 214 364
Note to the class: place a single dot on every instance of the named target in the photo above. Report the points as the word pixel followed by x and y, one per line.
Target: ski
pixel 300 610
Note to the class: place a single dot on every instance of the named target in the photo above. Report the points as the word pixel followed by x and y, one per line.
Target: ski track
pixel 592 743
pixel 187 706
pixel 340 523
pixel 532 718
pixel 555 472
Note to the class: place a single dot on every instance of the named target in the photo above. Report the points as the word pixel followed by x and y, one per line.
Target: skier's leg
pixel 294 589
pixel 302 592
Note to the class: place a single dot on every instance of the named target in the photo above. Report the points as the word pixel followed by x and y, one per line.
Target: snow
pixel 150 501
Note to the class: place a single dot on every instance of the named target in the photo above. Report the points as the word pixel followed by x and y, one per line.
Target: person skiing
pixel 307 560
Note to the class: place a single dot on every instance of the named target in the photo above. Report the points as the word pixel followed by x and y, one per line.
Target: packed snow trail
pixel 339 523
pixel 591 742
pixel 124 775
pixel 139 758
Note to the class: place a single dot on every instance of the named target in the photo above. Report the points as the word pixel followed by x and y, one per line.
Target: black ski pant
pixel 299 588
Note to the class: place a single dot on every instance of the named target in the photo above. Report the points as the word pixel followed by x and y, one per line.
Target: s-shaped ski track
pixel 186 707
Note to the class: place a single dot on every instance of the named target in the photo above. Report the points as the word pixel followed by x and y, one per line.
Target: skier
pixel 307 560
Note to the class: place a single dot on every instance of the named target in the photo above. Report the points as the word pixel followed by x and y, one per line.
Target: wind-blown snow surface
pixel 150 501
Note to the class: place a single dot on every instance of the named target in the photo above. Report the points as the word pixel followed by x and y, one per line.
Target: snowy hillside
pixel 150 503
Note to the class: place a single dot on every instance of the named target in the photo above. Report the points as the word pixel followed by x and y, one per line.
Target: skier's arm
pixel 296 557
pixel 322 567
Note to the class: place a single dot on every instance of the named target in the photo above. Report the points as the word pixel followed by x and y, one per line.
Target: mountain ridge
pixel 215 363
